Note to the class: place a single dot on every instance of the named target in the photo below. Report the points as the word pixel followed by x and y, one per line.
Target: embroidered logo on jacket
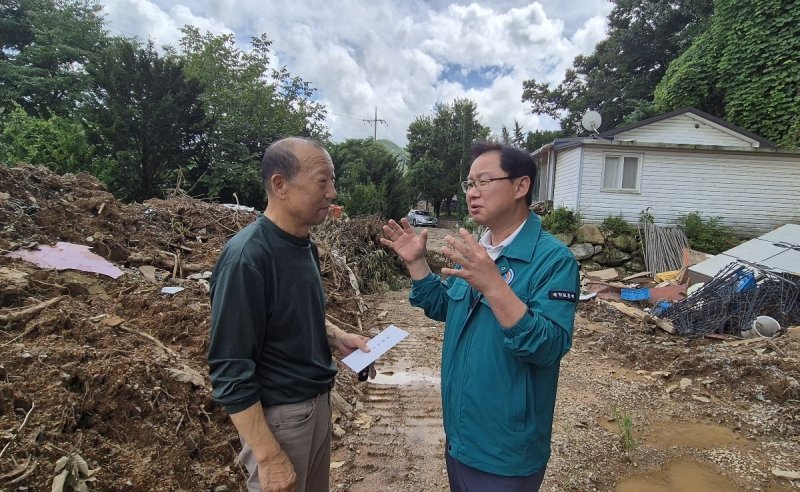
pixel 508 276
pixel 562 295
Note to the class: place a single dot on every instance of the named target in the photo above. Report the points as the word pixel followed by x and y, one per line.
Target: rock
pixel 672 388
pixel 565 237
pixel 582 251
pixel 591 266
pixel 701 399
pixel 635 266
pixel 590 233
pixel 793 332
pixel 685 383
pixel 611 257
pixel 625 243
pixel 338 431
pixel 598 249
pixel 787 474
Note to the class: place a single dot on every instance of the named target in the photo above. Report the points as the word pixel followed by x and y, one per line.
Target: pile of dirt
pixel 763 370
pixel 113 370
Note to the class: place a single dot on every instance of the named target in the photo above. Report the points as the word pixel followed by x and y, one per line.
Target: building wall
pixel 751 191
pixel 565 190
pixel 681 130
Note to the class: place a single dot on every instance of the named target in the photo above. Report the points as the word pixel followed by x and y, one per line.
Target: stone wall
pixel 596 250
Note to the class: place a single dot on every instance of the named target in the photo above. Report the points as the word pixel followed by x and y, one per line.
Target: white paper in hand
pixel 378 345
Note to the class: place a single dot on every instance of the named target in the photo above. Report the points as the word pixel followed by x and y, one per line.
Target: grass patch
pixel 625 424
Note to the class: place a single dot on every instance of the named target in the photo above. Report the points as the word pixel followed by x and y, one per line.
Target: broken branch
pixel 29 311
pixel 33 404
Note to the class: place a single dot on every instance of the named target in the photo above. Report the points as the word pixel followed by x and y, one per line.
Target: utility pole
pixel 374 122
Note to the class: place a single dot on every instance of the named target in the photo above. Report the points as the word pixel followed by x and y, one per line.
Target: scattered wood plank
pixel 607 274
pixel 636 313
pixel 636 275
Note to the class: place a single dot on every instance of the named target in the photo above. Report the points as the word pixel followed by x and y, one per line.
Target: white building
pixel 675 163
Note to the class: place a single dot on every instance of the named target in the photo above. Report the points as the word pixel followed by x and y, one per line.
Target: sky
pixel 399 57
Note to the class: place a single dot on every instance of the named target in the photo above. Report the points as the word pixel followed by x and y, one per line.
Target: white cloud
pixel 361 55
pixel 146 20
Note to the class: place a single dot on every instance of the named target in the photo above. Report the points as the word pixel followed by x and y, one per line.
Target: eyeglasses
pixel 482 183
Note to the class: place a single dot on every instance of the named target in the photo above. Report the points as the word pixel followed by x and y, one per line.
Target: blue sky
pixel 399 56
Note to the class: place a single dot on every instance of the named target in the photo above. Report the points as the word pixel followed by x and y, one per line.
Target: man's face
pixel 492 199
pixel 310 193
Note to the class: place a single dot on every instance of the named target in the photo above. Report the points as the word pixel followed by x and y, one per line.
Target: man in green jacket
pixel 509 309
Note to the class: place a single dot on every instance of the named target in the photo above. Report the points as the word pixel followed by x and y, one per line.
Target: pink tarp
pixel 68 256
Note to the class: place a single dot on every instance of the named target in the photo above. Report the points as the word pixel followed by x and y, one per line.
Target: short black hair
pixel 516 162
pixel 280 158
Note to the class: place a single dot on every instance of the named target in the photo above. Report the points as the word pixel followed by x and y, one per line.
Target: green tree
pixel 619 77
pixel 535 140
pixel 439 150
pixel 369 179
pixel 251 105
pixel 744 68
pixel 44 48
pixel 56 142
pixel 147 116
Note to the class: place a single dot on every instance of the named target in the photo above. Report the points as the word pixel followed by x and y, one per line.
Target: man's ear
pixel 278 183
pixel 523 185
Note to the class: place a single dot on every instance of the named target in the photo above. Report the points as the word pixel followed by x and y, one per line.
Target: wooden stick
pixel 24 475
pixel 340 322
pixel 28 330
pixel 14 473
pixel 148 337
pixel 22 313
pixel 33 404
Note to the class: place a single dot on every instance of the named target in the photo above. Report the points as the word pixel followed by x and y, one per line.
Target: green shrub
pixel 709 235
pixel 57 143
pixel 562 220
pixel 617 225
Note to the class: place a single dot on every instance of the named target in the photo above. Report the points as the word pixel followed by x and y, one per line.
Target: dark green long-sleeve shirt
pixel 268 340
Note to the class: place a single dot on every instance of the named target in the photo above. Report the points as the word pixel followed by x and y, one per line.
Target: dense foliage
pixel 744 68
pixel 147 116
pixel 145 121
pixel 618 79
pixel 439 151
pixel 707 235
pixel 617 225
pixel 562 220
pixel 369 179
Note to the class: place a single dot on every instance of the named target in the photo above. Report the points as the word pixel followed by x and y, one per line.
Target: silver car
pixel 422 218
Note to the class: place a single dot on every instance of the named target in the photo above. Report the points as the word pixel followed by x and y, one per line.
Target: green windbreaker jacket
pixel 499 386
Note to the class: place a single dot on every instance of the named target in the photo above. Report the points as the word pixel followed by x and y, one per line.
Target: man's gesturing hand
pixel 477 267
pixel 409 246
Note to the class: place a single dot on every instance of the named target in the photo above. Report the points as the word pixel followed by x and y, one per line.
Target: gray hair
pixel 280 158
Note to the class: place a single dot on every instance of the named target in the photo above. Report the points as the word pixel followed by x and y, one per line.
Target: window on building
pixel 621 172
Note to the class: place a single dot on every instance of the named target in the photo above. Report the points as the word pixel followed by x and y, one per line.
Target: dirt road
pixel 637 410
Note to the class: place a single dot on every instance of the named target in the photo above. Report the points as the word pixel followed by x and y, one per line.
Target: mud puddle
pixel 693 435
pixel 679 475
